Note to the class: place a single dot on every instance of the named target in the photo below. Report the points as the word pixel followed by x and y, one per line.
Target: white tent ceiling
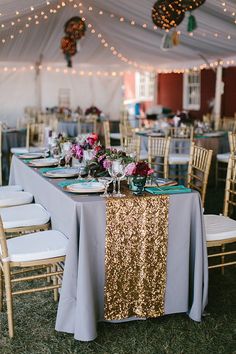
pixel 215 37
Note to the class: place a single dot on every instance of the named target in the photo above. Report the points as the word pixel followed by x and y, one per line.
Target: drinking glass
pixel 105 181
pixel 81 166
pixel 88 155
pixel 66 153
pixel 118 170
pixel 114 179
pixel 67 157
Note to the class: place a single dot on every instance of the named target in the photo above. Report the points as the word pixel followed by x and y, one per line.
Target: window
pixel 192 90
pixel 145 86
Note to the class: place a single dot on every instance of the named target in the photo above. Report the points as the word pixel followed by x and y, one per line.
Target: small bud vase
pixel 139 183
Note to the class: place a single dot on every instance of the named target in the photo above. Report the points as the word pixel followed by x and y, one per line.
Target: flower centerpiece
pixel 103 157
pixel 88 144
pixel 93 110
pixel 138 173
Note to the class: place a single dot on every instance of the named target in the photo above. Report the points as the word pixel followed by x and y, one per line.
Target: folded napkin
pixel 74 181
pixel 46 169
pixel 168 190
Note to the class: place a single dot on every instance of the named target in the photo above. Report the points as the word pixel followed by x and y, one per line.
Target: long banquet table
pixel 83 220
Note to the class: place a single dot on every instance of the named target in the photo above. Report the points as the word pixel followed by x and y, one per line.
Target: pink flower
pixel 130 169
pixel 106 164
pixel 150 172
pixel 77 151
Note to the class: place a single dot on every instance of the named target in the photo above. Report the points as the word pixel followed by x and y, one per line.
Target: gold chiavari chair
pixel 87 124
pixel 221 229
pixel 228 124
pixel 181 140
pixel 222 159
pixel 0 154
pixel 107 136
pixel 158 151
pixel 30 253
pixel 125 130
pixel 106 130
pixel 198 169
pixel 35 133
pixel 132 145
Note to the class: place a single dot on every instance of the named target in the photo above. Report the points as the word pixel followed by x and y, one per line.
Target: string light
pixel 51 69
pixel 132 22
pixel 36 14
pixel 229 9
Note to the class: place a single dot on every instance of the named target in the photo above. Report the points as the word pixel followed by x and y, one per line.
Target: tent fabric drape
pixel 133 41
pixel 18 90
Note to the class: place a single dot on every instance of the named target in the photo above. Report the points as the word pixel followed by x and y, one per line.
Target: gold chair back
pixel 35 134
pixel 90 120
pixel 181 133
pixel 132 145
pixel 158 152
pixel 230 187
pixel 106 130
pixel 232 142
pixel 228 124
pixel 12 273
pixel 198 170
pixel 0 154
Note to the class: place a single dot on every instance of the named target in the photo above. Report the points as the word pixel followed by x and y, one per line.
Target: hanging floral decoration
pixel 75 29
pixel 168 14
pixel 190 5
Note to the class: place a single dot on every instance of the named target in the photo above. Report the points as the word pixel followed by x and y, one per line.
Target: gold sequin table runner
pixel 135 256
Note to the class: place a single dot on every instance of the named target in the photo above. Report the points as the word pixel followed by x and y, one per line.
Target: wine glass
pixel 88 155
pixel 66 153
pixel 67 157
pixel 81 166
pixel 118 170
pixel 114 179
pixel 105 181
pixel 56 153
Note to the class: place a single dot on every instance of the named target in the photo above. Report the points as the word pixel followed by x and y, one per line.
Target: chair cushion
pixel 15 198
pixel 219 227
pixel 24 150
pixel 116 136
pixel 24 215
pixel 19 150
pixel 13 188
pixel 178 159
pixel 36 246
pixel 223 157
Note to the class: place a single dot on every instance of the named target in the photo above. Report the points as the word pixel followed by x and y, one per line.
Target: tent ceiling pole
pixel 219 89
pixel 38 83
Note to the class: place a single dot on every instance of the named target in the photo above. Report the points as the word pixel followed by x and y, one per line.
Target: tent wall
pixel 17 90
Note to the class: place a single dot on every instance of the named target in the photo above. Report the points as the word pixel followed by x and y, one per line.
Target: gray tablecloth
pixel 82 219
pixel 70 128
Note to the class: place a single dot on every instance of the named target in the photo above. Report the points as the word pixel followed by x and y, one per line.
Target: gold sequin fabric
pixel 135 256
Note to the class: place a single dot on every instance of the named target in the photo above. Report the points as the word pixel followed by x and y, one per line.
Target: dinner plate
pixel 30 155
pixel 44 162
pixel 62 173
pixel 85 187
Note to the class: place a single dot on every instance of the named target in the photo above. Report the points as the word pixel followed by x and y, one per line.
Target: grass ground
pixel 175 334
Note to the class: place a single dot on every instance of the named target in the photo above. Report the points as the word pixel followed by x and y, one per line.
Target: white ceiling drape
pixel 136 43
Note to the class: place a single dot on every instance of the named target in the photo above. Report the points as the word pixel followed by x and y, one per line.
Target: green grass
pixel 35 320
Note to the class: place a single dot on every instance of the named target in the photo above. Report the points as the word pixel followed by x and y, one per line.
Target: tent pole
pixel 38 83
pixel 218 93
